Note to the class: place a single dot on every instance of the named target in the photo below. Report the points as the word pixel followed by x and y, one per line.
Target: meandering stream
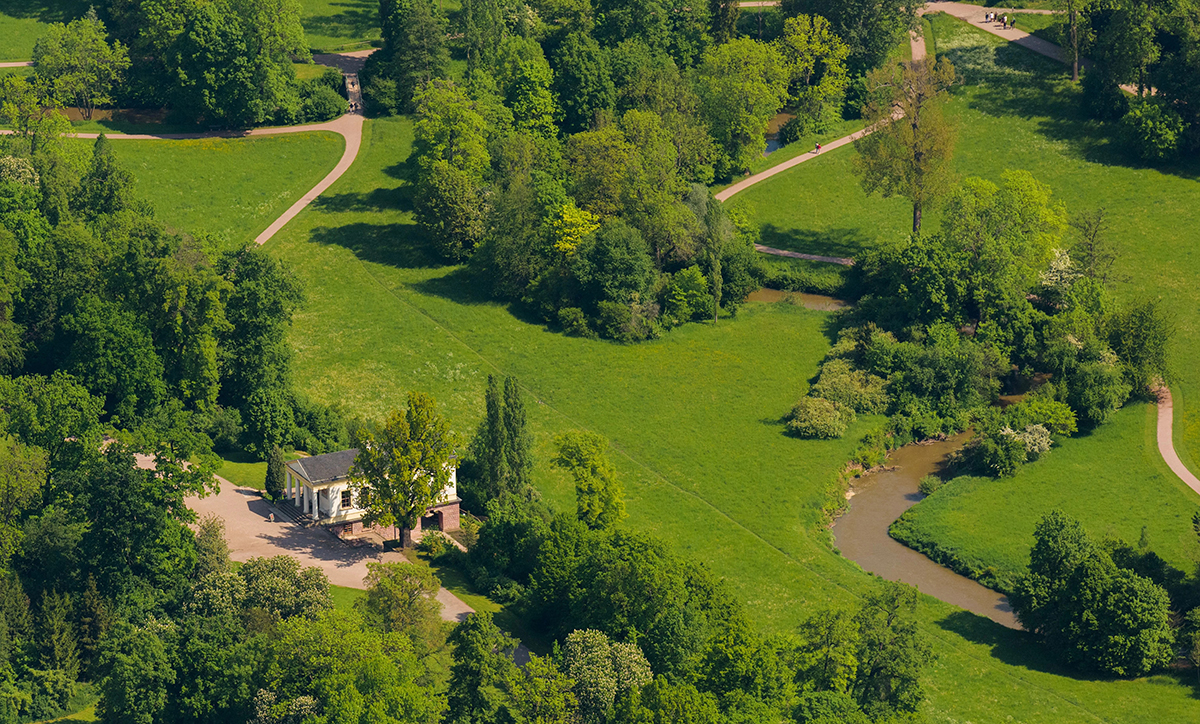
pixel 880 498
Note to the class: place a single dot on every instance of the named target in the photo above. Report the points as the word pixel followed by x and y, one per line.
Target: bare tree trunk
pixel 916 217
pixel 1074 47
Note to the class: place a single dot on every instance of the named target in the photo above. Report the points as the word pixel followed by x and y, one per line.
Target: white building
pixel 320 487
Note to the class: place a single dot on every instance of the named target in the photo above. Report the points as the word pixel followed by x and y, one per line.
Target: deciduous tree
pixel 741 84
pixel 599 496
pixel 401 471
pixel 908 150
pixel 77 61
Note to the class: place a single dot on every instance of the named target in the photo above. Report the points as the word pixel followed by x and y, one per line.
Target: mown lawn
pixel 22 22
pixel 247 471
pixel 231 188
pixel 332 26
pixel 693 420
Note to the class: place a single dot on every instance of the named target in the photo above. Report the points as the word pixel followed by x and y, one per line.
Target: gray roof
pixel 324 468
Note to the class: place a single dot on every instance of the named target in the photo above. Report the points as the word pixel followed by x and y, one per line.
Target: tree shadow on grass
pixel 396 199
pixel 464 285
pixel 46 11
pixel 1023 649
pixel 1011 81
pixel 832 242
pixel 397 245
pixel 350 19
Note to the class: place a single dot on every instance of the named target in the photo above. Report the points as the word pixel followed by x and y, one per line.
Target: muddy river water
pixel 880 498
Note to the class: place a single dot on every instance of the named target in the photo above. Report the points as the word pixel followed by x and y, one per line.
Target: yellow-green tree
pixel 599 496
pixel 402 468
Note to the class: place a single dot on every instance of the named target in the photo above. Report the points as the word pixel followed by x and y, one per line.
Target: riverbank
pixel 877 500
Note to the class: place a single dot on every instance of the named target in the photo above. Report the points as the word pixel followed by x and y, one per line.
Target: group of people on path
pixel 991 18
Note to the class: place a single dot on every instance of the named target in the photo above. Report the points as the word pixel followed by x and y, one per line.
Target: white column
pixel 316 508
pixel 295 491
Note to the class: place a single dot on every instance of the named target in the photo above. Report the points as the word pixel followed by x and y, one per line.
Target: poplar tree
pixel 520 461
pixel 276 475
pixel 495 453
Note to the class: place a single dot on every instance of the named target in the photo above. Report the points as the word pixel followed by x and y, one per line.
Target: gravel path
pixel 1166 443
pixel 250 533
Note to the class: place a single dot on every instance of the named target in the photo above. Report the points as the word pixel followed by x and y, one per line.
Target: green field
pixel 233 188
pixel 338 25
pixel 1113 479
pixel 22 22
pixel 694 420
pixel 246 471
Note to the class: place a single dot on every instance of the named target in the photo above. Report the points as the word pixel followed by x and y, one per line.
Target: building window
pixel 345 498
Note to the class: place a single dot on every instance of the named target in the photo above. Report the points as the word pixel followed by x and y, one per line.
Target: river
pixel 880 498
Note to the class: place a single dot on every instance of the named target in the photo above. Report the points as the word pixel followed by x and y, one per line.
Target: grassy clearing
pixel 344 597
pixel 22 22
pixel 693 419
pixel 332 26
pixel 1116 482
pixel 248 472
pixel 232 188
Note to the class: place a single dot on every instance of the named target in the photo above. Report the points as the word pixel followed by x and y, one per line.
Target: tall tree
pixel 723 15
pixel 582 81
pixel 908 150
pixel 516 437
pixel 495 451
pixel 599 496
pixel 401 472
pixel 22 473
pixel 79 64
pixel 892 651
pixel 401 599
pixel 816 66
pixel 741 84
pixel 276 474
pixel 871 28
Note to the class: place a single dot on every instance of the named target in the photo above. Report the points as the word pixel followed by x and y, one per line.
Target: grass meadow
pixel 1019 111
pixel 22 22
pixel 231 188
pixel 332 26
pixel 693 420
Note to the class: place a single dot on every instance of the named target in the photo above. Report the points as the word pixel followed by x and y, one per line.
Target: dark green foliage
pixel 414 53
pixel 614 265
pixel 1152 131
pixel 481 668
pixel 136 673
pixel 500 463
pixel 582 81
pixel 320 102
pixel 1140 336
pixel 892 652
pixel 276 474
pixel 1096 616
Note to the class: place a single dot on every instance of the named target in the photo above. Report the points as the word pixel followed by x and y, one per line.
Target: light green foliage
pixel 688 297
pixel 602 671
pixel 741 86
pixel 212 552
pixel 525 77
pixel 22 107
pixel 599 495
pixel 818 418
pixel 23 471
pixel 1096 389
pixel 1096 616
pixel 858 390
pixel 816 66
pixel 870 28
pixel 482 669
pixel 541 693
pixel 279 586
pixel 383 677
pixel 218 594
pixel 402 469
pixel 929 484
pixel 1055 416
pixel 79 64
pixel 452 158
pixel 827 650
pixel 401 599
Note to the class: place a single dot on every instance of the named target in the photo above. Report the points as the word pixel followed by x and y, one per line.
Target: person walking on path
pixel 818 148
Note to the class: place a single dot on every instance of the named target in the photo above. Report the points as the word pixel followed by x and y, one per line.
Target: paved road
pixel 250 533
pixel 18 64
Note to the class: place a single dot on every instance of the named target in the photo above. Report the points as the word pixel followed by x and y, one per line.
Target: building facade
pixel 320 487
